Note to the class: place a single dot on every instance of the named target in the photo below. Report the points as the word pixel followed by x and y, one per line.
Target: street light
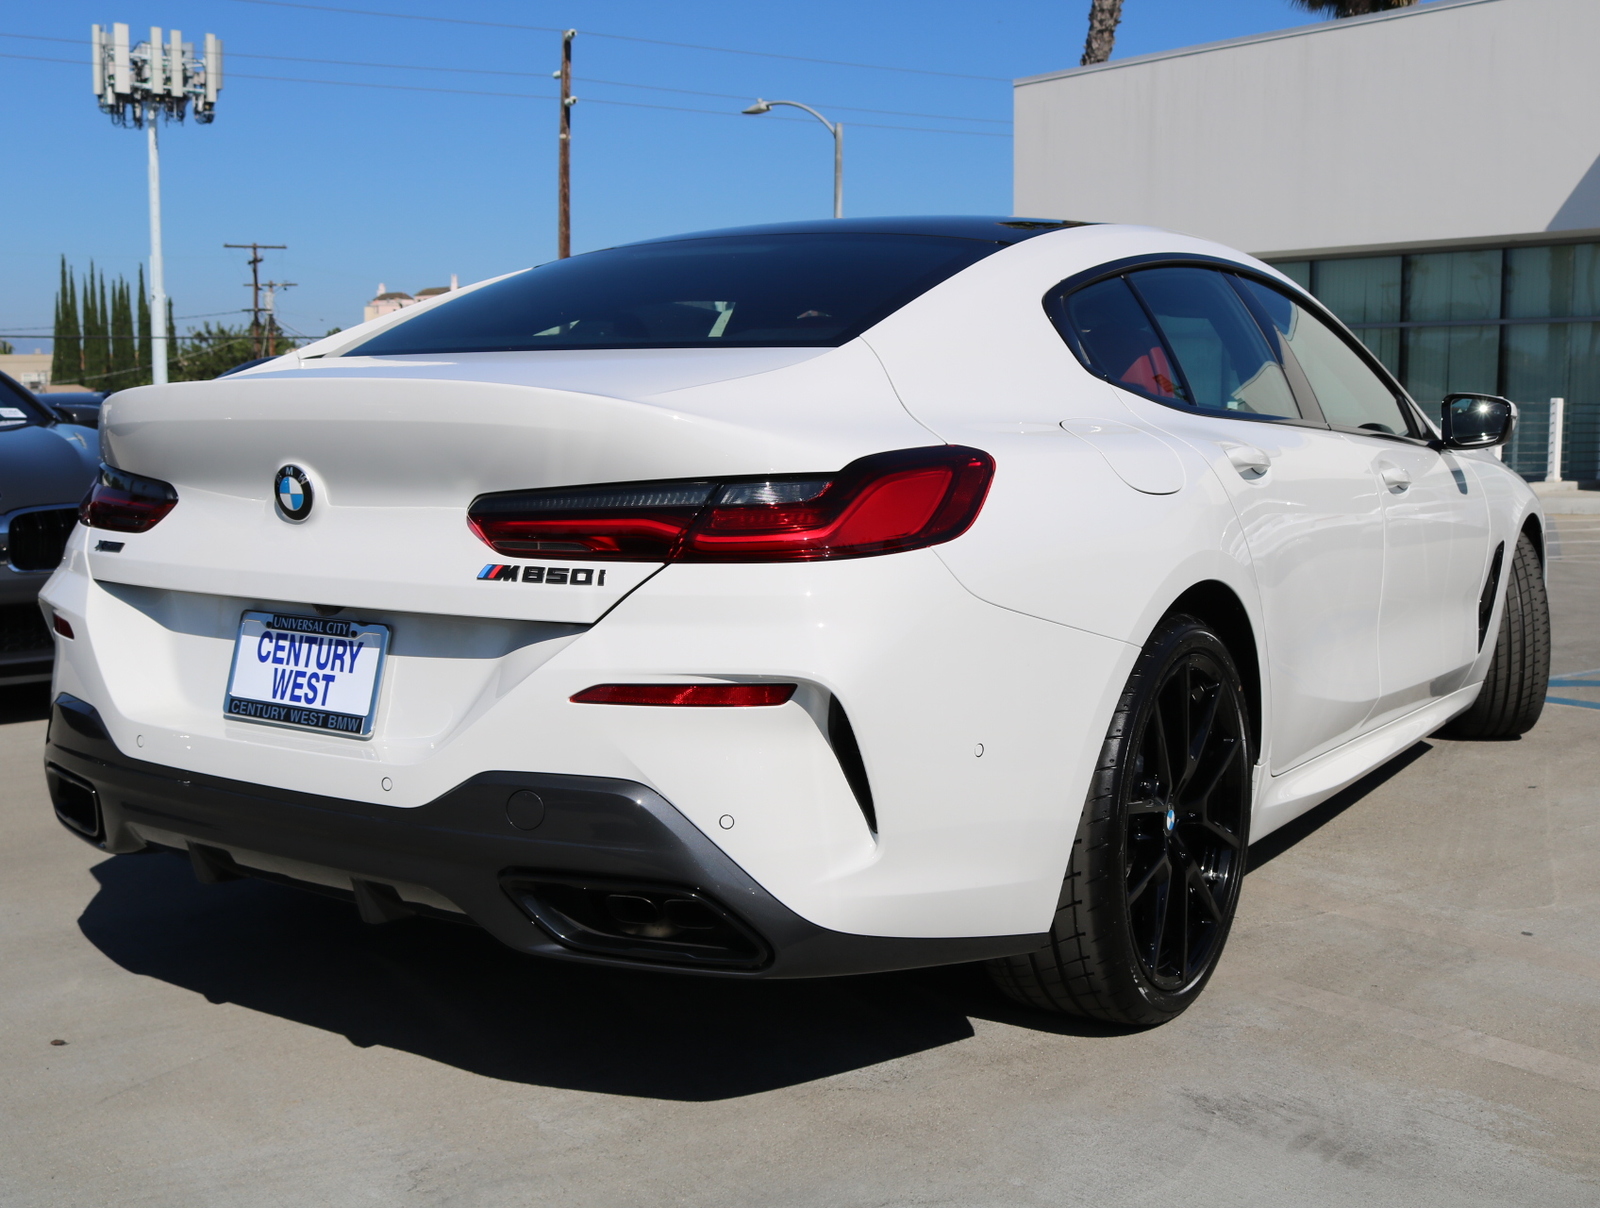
pixel 834 128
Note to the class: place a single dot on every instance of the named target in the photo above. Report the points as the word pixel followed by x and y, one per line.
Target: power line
pixel 540 75
pixel 530 96
pixel 550 29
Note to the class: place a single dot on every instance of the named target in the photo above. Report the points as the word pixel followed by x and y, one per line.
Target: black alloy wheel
pixel 1160 853
pixel 1188 797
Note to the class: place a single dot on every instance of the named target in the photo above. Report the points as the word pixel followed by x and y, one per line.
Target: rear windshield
pixel 795 290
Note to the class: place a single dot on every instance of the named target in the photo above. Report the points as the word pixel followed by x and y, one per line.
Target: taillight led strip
pixel 694 696
pixel 880 504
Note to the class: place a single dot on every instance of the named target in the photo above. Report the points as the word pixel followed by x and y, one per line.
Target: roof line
pixel 1297 31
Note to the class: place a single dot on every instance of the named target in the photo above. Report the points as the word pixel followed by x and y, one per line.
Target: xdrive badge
pixel 294 492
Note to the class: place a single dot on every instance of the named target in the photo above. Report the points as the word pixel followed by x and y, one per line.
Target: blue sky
pixel 406 187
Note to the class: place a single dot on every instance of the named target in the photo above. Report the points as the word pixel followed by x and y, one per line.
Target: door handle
pixel 1396 478
pixel 1250 461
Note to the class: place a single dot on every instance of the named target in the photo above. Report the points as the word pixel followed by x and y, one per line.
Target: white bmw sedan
pixel 795 600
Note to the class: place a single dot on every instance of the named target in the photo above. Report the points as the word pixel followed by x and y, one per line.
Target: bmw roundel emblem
pixel 293 489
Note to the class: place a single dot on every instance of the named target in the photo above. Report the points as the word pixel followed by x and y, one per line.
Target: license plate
pixel 314 673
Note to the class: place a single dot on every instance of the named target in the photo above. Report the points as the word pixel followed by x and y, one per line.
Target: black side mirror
pixel 1477 421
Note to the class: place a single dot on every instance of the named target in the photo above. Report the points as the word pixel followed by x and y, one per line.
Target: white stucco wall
pixel 1456 120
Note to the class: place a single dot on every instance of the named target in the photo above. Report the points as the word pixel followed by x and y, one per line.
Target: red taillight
pixel 126 503
pixel 699 696
pixel 877 505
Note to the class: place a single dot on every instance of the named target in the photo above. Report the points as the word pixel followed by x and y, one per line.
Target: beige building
pixel 32 369
pixel 387 301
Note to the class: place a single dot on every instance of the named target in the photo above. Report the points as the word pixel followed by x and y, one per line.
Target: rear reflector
pixel 61 625
pixel 126 503
pixel 881 504
pixel 699 696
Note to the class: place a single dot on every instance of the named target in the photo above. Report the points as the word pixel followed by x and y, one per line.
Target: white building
pixel 1432 173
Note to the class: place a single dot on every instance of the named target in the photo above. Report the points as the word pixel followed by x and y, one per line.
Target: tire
pixel 1519 671
pixel 1124 948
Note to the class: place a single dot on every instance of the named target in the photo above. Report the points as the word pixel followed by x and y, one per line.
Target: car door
pixel 1193 361
pixel 1436 519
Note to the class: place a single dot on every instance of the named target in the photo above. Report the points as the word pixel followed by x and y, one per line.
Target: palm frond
pixel 1349 8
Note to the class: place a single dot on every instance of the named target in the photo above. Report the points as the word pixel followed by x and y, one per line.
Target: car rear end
pixel 642 658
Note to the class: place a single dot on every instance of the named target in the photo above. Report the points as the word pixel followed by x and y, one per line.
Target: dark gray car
pixel 46 465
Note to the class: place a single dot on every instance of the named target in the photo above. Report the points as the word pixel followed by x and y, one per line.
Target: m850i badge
pixel 553 576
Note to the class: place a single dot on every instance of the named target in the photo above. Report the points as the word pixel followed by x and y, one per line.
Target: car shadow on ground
pixel 24 702
pixel 452 994
pixel 1313 820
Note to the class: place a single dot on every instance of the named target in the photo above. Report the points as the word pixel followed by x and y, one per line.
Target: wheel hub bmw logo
pixel 1172 818
pixel 294 492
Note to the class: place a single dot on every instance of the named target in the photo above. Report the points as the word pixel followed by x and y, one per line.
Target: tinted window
pixel 1222 353
pixel 1350 394
pixel 1115 334
pixel 807 290
pixel 18 407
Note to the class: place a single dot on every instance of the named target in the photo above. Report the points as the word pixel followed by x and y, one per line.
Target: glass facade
pixel 1523 322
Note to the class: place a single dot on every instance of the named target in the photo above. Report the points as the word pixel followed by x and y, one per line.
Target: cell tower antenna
pixel 161 80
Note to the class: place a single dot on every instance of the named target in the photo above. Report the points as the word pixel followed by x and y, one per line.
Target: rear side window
pixel 1116 336
pixel 1349 392
pixel 784 290
pixel 1223 355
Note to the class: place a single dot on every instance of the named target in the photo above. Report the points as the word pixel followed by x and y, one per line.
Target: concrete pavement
pixel 1408 1014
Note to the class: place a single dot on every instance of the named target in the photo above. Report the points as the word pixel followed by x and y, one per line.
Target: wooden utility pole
pixel 564 204
pixel 255 287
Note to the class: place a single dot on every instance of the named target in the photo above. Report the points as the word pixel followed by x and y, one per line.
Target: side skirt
pixel 1282 799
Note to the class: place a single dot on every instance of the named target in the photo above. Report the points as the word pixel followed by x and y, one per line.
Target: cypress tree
pixel 66 362
pixel 94 344
pixel 123 350
pixel 105 335
pixel 144 358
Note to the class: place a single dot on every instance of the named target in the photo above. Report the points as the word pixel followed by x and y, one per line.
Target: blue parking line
pixel 1574 683
pixel 1582 704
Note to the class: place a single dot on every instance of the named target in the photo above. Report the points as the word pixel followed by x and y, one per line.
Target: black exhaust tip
pixel 76 802
pixel 656 923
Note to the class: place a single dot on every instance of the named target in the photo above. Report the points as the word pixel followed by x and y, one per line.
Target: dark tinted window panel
pixel 1115 335
pixel 1222 352
pixel 795 290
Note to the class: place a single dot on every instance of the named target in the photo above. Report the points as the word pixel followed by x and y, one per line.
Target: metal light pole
pixel 158 269
pixel 834 128
pixel 160 79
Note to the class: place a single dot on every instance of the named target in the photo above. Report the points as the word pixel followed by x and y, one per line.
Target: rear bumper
pixel 597 836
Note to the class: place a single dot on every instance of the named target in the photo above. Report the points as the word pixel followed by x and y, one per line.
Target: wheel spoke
pixel 1163 751
pixel 1159 916
pixel 1204 896
pixel 1147 805
pixel 1198 800
pixel 1144 882
pixel 1198 736
pixel 1178 903
pixel 1228 837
